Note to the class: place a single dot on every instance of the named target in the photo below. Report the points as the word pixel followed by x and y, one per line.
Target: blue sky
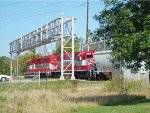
pixel 18 18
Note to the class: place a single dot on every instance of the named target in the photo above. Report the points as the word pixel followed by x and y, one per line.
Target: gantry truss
pixel 60 28
pixel 99 46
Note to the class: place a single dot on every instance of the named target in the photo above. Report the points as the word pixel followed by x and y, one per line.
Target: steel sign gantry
pixel 60 28
pixel 69 61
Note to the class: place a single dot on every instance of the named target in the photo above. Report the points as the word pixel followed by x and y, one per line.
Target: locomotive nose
pixel 92 61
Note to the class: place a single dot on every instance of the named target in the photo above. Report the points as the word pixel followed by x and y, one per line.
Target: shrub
pixel 123 86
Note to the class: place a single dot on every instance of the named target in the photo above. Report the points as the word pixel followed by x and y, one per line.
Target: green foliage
pixel 23 60
pixel 2 99
pixel 4 65
pixel 77 44
pixel 136 106
pixel 115 84
pixel 57 51
pixel 54 85
pixel 123 86
pixel 126 26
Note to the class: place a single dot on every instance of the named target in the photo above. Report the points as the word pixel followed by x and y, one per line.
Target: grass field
pixel 64 97
pixel 142 106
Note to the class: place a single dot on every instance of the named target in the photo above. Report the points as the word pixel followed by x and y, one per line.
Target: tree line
pixel 5 63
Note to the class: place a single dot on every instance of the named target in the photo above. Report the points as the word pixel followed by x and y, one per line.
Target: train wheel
pixel 98 77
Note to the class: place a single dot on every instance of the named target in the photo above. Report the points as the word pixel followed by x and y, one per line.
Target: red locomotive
pixel 51 65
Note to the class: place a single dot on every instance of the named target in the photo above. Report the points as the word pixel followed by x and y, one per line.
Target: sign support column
pixel 17 68
pixel 11 66
pixel 73 33
pixel 62 45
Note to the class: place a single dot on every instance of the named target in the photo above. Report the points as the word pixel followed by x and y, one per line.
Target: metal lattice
pixel 59 28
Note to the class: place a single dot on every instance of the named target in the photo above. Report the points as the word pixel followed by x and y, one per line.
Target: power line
pixel 5 18
pixel 8 4
pixel 44 13
pixel 54 11
pixel 29 11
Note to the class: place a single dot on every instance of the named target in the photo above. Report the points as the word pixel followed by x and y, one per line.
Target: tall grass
pixel 58 96
pixel 50 97
pixel 124 86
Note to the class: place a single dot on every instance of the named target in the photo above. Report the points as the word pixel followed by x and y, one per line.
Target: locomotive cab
pixel 82 64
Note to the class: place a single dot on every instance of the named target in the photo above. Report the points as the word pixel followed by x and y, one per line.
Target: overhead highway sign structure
pixel 60 28
pixel 45 34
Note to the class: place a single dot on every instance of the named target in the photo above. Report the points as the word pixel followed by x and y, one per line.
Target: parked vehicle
pixel 4 78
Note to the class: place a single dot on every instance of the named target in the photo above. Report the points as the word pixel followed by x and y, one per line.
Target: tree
pixel 57 51
pixel 126 26
pixel 23 60
pixel 4 65
pixel 78 42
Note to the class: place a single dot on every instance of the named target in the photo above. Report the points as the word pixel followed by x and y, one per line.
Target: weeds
pixel 123 86
pixel 66 96
pixel 2 99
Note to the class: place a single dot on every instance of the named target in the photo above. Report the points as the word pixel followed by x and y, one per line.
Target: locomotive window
pixel 28 67
pixel 89 56
pixel 38 61
pixel 80 58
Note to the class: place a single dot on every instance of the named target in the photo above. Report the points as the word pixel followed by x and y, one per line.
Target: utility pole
pixel 87 26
